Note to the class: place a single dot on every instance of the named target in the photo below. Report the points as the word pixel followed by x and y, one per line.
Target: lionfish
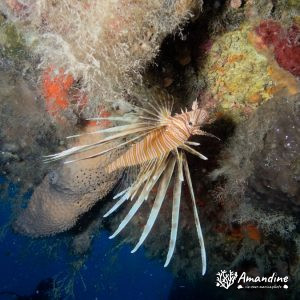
pixel 156 142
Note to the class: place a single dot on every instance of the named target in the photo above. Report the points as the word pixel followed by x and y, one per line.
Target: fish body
pixel 173 133
pixel 157 142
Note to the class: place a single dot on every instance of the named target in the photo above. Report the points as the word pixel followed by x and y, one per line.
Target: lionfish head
pixel 196 117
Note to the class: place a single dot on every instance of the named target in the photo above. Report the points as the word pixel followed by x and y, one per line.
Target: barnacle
pixel 157 142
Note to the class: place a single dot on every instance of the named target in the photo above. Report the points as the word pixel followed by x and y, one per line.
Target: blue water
pixel 106 273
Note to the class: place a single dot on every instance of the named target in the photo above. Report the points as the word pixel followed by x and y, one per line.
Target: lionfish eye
pixel 190 123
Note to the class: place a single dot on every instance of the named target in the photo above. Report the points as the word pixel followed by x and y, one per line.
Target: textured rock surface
pixel 67 193
pixel 25 130
pixel 263 161
pixel 275 182
pixel 104 44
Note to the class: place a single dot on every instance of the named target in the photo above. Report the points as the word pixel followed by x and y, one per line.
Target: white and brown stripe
pixel 156 144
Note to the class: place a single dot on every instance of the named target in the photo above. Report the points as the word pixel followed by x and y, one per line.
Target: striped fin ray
pixel 128 193
pixel 162 189
pixel 162 107
pixel 191 150
pixel 157 170
pixel 117 205
pixel 112 129
pixel 146 111
pixel 157 109
pixel 196 217
pixel 129 118
pixel 108 150
pixel 79 149
pixel 148 176
pixel 151 147
pixel 163 100
pixel 192 143
pixel 146 171
pixel 149 119
pixel 137 204
pixel 175 210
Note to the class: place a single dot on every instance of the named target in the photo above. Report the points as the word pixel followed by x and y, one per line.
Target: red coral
pixel 55 89
pixel 286 44
pixel 287 52
pixel 270 31
pixel 60 92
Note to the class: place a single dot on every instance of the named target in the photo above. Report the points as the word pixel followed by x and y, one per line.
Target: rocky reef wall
pixel 65 61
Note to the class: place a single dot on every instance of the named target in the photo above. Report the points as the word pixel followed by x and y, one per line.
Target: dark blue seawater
pixel 25 265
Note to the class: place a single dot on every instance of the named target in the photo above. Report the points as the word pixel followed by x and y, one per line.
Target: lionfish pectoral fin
pixel 180 171
pixel 162 189
pixel 175 210
pixel 130 118
pixel 145 177
pixel 117 205
pixel 107 150
pixel 196 217
pixel 192 143
pixel 201 132
pixel 126 194
pixel 120 194
pixel 138 202
pixel 58 156
pixel 192 151
pixel 78 149
pixel 129 216
pixel 122 128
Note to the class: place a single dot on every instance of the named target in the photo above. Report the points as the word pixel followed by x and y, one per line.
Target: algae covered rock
pixel 236 74
pixel 105 45
pixel 263 158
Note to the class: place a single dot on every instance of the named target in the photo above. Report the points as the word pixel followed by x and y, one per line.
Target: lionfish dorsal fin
pixel 195 105
pixel 202 116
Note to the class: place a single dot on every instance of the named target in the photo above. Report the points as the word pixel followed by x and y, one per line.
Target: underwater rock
pixel 262 160
pixel 104 44
pixel 241 58
pixel 11 41
pixel 233 62
pixel 275 181
pixel 25 129
pixel 285 44
pixel 67 192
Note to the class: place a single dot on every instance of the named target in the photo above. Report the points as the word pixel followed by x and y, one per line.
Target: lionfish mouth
pixel 160 158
